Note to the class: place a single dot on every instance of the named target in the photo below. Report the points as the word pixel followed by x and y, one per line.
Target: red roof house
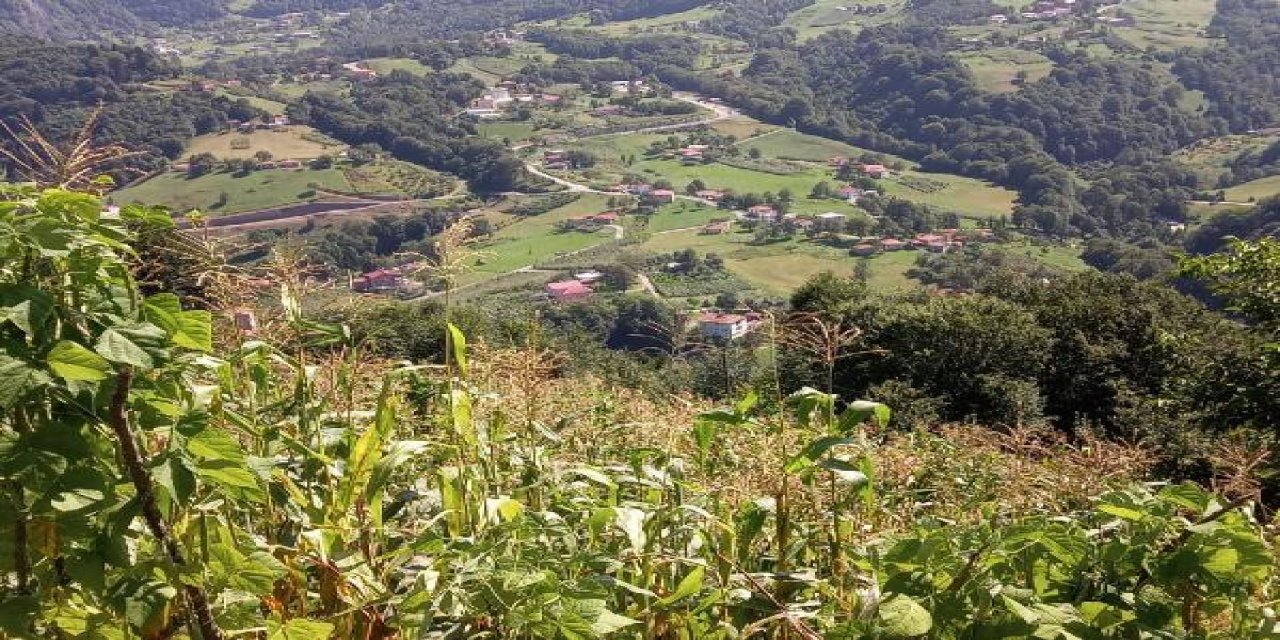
pixel 568 290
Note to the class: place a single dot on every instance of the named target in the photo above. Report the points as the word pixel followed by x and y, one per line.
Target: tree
pixel 695 186
pixel 323 162
pixel 828 295
pixel 201 164
pixel 1247 274
pixel 263 156
pixel 754 153
pixel 821 191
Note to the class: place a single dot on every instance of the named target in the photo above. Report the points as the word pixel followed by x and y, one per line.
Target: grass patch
pixel 684 215
pixel 514 131
pixel 1209 158
pixel 294 142
pixel 742 127
pixel 385 66
pixel 793 145
pixel 1168 24
pixel 1259 189
pixel 826 15
pixel 536 239
pixel 258 190
pixel 996 70
pixel 395 177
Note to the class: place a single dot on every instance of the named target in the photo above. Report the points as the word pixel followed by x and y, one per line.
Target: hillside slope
pixel 94 18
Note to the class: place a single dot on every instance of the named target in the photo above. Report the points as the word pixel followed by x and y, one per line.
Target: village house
pixel 999 18
pixel 838 161
pixel 717 228
pixel 710 195
pixel 592 223
pixel 568 291
pixel 892 244
pixel 763 212
pixel 666 196
pixel 724 326
pixel 637 189
pixel 829 221
pixel 290 164
pixel 876 171
pixel 864 250
pixel 850 193
pixel 380 281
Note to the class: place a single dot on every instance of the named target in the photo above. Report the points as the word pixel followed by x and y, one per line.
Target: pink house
pixel 568 291
pixel 663 195
pixel 763 212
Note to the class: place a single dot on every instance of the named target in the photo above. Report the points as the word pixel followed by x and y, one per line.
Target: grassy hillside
pixel 224 193
pixel 294 142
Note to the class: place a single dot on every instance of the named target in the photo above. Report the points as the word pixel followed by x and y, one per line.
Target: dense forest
pixel 58 86
pixel 413 118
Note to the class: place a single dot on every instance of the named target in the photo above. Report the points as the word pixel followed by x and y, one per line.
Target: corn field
pixel 166 476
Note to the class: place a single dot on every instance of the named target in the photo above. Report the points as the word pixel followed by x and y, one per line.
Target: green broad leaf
pixel 690 585
pixel 901 618
pixel 145 601
pixel 71 361
pixel 747 403
pixel 214 445
pixel 1221 563
pixel 26 307
pixel 609 622
pixel 81 205
pixel 299 629
pixel 234 477
pixel 76 499
pixel 458 341
pixel 187 329
pixel 176 478
pixel 17 380
pixel 1023 612
pixel 1124 513
pixel 1187 496
pixel 120 346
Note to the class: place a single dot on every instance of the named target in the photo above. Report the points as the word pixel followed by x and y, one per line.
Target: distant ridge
pixel 96 19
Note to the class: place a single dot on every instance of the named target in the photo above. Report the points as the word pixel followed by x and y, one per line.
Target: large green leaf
pixel 17 379
pixel 135 346
pixel 26 307
pixel 901 617
pixel 71 361
pixel 188 329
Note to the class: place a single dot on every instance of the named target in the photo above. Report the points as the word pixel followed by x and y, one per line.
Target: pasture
pixel 1168 24
pixel 779 267
pixel 293 142
pixel 1259 189
pixel 223 193
pixel 996 70
pixel 528 241
pixel 826 15
pixel 385 66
